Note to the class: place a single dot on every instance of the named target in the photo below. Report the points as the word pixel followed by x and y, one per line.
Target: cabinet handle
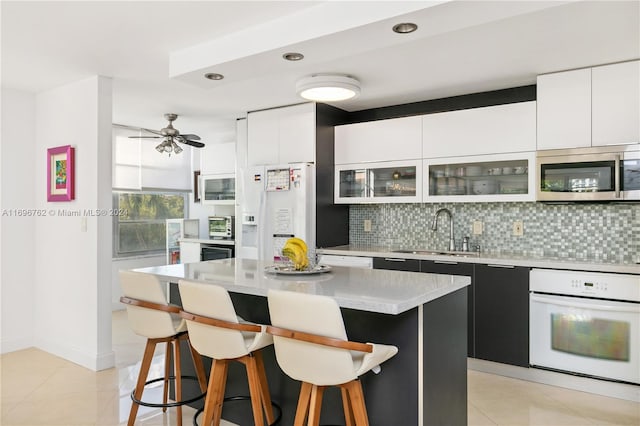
pixel 445 262
pixel 502 266
pixel 392 259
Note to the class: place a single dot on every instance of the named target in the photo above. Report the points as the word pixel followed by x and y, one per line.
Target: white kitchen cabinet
pixel 615 102
pixel 218 158
pixel 564 109
pixel 381 182
pixel 486 178
pixel 478 131
pixel 189 252
pixel 218 189
pixel 589 107
pixel 282 135
pixel 383 140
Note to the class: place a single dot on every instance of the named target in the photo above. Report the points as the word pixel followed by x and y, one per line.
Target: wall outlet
pixel 478 227
pixel 367 225
pixel 518 228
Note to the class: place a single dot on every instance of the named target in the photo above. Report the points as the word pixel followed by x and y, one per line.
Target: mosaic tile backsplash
pixel 603 232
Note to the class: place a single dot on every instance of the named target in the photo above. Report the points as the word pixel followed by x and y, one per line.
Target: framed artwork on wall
pixel 61 173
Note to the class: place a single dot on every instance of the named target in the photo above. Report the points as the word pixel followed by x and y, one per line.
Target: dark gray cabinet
pixel 497 305
pixel 501 296
pixel 456 268
pixel 396 264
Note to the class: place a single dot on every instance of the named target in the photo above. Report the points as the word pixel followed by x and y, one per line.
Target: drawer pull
pixel 393 259
pixel 502 266
pixel 445 262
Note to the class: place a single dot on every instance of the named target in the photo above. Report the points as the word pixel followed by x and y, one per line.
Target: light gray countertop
pixel 491 258
pixel 381 291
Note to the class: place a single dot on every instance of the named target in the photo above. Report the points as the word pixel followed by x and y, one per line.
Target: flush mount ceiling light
pixel 213 76
pixel 405 28
pixel 328 87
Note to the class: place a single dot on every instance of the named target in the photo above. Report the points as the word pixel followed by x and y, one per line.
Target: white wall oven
pixel 586 323
pixel 608 173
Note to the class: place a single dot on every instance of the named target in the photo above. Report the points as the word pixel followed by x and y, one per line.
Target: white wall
pixel 17 167
pixel 73 266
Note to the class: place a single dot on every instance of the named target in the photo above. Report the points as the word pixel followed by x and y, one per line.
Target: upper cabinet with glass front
pixel 505 177
pixel 380 182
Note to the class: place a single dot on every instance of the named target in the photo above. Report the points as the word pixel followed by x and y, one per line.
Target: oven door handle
pixel 599 305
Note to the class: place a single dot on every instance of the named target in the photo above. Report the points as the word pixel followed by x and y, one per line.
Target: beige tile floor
pixel 41 389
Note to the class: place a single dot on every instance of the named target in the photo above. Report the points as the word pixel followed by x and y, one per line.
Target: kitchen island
pixel 424 315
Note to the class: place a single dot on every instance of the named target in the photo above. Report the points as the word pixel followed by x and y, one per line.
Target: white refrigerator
pixel 277 202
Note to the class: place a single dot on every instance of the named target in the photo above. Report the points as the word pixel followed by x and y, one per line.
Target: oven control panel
pixel 591 284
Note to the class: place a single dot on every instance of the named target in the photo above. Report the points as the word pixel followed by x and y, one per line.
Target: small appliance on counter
pixel 222 227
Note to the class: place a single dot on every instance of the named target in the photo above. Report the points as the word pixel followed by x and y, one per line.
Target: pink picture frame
pixel 61 173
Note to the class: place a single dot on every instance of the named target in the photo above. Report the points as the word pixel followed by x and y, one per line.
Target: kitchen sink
pixel 439 252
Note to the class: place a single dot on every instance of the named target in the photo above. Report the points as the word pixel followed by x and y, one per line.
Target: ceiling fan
pixel 170 136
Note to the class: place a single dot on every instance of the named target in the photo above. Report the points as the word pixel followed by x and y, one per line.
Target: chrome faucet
pixel 434 227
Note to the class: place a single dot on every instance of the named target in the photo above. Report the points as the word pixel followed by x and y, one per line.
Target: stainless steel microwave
pixel 221 226
pixel 607 173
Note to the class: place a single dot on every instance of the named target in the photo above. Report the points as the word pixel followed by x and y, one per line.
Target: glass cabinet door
pixel 630 174
pixel 353 183
pixel 497 178
pixel 393 181
pixel 381 182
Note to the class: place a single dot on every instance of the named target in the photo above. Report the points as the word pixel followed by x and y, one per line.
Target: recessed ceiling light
pixel 328 87
pixel 405 28
pixel 213 76
pixel 293 56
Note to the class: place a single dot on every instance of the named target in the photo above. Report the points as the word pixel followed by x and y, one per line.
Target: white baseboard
pixel 95 362
pixel 569 381
pixel 12 345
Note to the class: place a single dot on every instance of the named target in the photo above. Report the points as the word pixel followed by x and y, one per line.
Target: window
pixel 139 228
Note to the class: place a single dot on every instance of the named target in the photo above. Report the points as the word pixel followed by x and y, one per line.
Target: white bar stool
pixel 311 346
pixel 151 316
pixel 217 332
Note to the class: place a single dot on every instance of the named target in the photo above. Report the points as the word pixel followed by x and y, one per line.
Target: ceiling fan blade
pixel 155 132
pixel 192 137
pixel 192 143
pixel 145 137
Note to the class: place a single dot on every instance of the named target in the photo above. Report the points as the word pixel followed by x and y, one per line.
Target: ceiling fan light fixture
pixel 328 87
pixel 176 148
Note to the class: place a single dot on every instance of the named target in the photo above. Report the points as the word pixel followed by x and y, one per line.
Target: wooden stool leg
pixel 142 378
pixel 215 393
pixel 199 366
pixel 346 406
pixel 167 365
pixel 315 405
pixel 357 402
pixel 254 389
pixel 265 395
pixel 303 404
pixel 178 374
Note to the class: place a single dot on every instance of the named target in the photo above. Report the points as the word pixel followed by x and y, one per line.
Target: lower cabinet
pixel 396 264
pixel 502 314
pixel 497 310
pixel 456 268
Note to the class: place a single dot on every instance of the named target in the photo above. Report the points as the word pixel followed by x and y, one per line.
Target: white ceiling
pixel 157 51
